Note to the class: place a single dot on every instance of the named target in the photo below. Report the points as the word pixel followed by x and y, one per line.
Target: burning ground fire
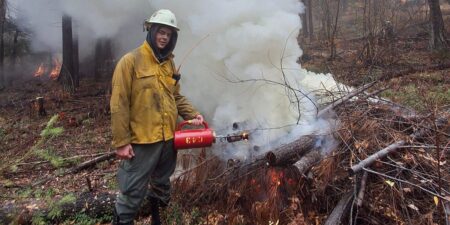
pixel 53 73
pixel 270 192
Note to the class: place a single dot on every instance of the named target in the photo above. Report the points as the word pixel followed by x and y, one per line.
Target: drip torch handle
pixel 186 122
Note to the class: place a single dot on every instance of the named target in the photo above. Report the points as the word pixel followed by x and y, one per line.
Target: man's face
pixel 163 37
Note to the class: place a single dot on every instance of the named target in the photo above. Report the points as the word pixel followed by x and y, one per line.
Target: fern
pixel 50 131
pixel 38 219
pixel 49 155
pixel 56 208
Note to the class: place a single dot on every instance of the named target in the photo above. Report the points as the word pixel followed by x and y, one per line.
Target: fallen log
pixel 95 205
pixel 92 162
pixel 308 160
pixel 285 155
pixel 79 167
pixel 340 210
pixel 99 205
pixel 292 152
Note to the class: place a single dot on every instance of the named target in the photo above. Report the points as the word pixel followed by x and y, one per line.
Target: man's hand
pixel 198 120
pixel 125 152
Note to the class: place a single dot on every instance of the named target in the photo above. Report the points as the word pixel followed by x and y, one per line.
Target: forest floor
pixel 32 166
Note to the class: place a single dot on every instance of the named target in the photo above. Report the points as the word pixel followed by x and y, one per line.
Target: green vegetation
pixel 50 131
pixel 55 208
pixel 49 155
pixel 38 219
pixel 2 134
pixel 420 100
pixel 55 212
pixel 196 216
pixel 173 214
pixel 111 181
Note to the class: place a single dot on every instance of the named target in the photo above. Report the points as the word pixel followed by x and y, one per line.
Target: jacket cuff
pixel 120 143
pixel 191 115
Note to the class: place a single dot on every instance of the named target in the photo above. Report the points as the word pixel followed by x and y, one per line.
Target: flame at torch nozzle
pixel 234 137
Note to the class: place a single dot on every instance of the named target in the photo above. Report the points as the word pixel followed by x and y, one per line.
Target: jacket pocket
pixel 145 81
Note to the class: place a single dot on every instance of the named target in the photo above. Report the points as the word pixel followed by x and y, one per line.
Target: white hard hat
pixel 165 17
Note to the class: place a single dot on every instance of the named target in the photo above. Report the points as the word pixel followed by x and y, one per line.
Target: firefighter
pixel 145 103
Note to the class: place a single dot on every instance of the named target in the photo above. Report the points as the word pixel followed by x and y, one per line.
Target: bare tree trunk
pixel 304 24
pixel 98 59
pixel 333 33
pixel 76 61
pixel 104 64
pixel 310 21
pixel 304 19
pixel 2 42
pixel 109 58
pixel 438 37
pixel 67 69
pixel 15 49
pixel 344 6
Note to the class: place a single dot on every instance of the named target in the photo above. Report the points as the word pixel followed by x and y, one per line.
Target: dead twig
pixel 372 158
pixel 344 99
pixel 362 188
pixel 78 168
pixel 340 209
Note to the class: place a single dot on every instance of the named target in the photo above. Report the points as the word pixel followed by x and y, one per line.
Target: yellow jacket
pixel 145 102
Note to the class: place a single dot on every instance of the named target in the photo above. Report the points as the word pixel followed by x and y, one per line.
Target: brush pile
pixel 409 185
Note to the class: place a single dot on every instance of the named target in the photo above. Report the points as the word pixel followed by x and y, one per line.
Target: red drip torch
pixel 200 138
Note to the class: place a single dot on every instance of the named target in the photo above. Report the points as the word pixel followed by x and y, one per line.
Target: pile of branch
pixel 403 155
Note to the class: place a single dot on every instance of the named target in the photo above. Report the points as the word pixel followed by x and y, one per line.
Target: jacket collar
pixel 149 51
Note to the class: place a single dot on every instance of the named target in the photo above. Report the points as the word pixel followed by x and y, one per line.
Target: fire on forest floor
pixel 410 186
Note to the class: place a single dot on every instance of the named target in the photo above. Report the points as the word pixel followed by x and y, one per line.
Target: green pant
pixel 152 163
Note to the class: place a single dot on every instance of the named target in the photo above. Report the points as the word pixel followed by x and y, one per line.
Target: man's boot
pixel 155 211
pixel 116 219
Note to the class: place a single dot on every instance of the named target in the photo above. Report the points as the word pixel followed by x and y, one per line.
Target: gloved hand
pixel 197 121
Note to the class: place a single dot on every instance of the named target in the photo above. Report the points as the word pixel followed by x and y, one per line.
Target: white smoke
pixel 117 19
pixel 248 40
pixel 235 74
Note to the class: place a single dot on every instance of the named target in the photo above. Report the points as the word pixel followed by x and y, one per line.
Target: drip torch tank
pixel 201 138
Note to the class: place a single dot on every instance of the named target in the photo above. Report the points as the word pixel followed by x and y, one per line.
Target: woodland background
pixel 57 166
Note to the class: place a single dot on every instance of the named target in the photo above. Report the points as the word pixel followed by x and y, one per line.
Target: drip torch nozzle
pixel 237 137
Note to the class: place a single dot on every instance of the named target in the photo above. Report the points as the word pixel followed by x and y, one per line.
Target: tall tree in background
pixel 14 53
pixel 304 24
pixel 3 6
pixel 104 62
pixel 307 23
pixel 76 60
pixel 310 20
pixel 67 70
pixel 330 23
pixel 344 6
pixel 438 37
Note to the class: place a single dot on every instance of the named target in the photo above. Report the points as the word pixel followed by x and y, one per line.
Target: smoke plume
pixel 241 68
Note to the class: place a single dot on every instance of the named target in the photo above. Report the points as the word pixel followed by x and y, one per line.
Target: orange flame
pixel 39 71
pixel 54 74
pixel 275 177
